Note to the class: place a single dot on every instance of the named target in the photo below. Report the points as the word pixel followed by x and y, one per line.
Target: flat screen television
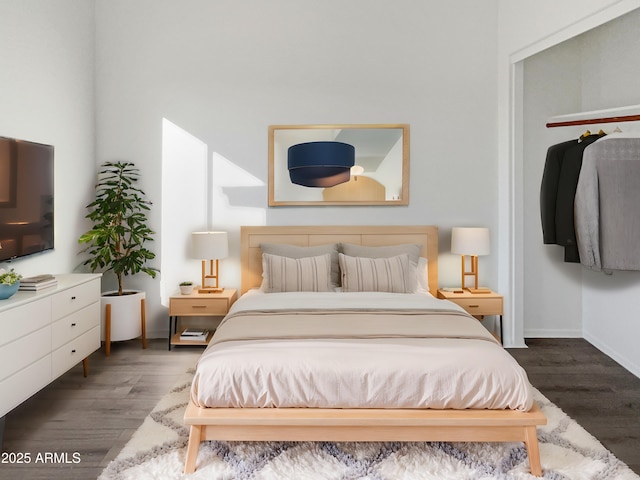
pixel 26 198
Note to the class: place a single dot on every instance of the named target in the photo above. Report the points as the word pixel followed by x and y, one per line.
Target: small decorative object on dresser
pixel 9 283
pixel 38 282
pixel 477 304
pixel 186 288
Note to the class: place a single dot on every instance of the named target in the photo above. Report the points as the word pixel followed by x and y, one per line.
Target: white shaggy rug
pixel 157 450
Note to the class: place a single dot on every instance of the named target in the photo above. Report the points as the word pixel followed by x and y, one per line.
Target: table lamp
pixel 473 242
pixel 209 246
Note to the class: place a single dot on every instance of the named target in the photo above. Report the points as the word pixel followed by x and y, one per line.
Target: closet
pixel 588 82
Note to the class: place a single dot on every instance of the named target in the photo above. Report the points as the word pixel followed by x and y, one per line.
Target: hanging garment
pixel 607 204
pixel 557 193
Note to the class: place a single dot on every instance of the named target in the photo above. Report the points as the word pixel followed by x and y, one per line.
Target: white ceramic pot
pixel 126 314
pixel 186 289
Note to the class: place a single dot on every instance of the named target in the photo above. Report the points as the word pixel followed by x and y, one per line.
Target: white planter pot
pixel 186 289
pixel 126 315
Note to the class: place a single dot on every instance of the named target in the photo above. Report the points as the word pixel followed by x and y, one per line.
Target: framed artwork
pixel 357 164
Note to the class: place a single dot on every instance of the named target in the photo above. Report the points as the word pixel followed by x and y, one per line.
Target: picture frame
pixel 380 175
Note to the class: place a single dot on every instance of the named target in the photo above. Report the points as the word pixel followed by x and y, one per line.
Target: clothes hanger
pixel 584 135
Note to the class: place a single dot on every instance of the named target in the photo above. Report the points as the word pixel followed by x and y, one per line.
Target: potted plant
pixel 117 242
pixel 9 283
pixel 186 288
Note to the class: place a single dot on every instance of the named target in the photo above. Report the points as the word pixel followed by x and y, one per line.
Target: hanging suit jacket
pixel 607 205
pixel 557 194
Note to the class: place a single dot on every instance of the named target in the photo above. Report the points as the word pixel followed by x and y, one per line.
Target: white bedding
pixel 356 350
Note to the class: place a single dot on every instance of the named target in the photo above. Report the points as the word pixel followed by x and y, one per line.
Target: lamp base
pixel 210 290
pixel 479 290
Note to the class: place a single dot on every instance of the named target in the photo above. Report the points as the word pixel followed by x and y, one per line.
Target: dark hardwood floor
pixel 591 388
pixel 96 416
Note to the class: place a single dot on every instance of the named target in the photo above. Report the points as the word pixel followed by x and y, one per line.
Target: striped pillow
pixel 362 274
pixel 307 274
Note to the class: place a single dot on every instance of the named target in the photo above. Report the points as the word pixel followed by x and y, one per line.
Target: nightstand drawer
pixel 481 306
pixel 194 306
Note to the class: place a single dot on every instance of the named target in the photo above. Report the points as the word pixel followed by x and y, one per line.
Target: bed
pixel 337 340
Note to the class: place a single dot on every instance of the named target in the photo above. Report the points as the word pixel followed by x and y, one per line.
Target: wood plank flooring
pixel 96 416
pixel 591 388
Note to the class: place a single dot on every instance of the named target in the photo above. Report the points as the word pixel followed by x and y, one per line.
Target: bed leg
pixel 195 436
pixel 533 451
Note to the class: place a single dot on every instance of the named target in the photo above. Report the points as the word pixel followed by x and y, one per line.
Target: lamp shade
pixel 209 245
pixel 470 241
pixel 320 164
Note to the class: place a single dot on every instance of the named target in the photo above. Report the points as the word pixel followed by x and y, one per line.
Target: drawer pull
pixel 198 306
pixel 73 324
pixel 474 306
pixel 73 351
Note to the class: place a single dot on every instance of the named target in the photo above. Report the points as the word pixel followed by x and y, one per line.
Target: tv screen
pixel 26 198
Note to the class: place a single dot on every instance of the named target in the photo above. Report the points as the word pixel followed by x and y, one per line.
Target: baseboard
pixel 610 352
pixel 547 333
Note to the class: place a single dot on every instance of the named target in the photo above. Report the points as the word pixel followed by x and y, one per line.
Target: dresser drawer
pixel 75 298
pixel 24 351
pixel 17 388
pixel 65 357
pixel 69 327
pixel 481 306
pixel 199 306
pixel 19 321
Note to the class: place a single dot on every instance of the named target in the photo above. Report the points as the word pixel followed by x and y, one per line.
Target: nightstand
pixel 198 305
pixel 477 304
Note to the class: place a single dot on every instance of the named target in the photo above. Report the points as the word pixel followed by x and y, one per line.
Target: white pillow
pixel 307 274
pixel 364 274
pixel 422 276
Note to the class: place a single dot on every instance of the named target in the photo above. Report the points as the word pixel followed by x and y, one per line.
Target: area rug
pixel 157 451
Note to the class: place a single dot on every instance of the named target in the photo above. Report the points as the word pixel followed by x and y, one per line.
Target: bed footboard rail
pixel 362 425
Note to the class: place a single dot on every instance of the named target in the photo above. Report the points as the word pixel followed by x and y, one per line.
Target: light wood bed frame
pixel 316 424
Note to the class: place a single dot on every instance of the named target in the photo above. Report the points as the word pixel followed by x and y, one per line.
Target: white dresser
pixel 43 334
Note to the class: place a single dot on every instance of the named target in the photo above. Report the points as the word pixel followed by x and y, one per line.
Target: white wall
pixel 46 96
pixel 223 71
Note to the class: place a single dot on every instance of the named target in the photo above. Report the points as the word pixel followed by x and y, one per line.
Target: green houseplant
pixel 9 283
pixel 118 242
pixel 186 287
pixel 120 232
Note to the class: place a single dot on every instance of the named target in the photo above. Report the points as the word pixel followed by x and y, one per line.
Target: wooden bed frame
pixel 315 424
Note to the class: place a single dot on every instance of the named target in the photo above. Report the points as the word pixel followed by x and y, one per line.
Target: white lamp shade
pixel 209 245
pixel 470 241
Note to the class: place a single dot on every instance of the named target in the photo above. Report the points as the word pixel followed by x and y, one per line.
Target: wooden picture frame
pixel 382 150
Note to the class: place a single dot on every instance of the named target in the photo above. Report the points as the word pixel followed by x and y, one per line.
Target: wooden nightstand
pixel 198 305
pixel 477 304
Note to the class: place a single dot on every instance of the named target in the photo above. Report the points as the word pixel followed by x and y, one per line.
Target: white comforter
pixel 356 350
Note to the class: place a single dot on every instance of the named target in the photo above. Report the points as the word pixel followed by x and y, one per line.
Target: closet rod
pixel 590 121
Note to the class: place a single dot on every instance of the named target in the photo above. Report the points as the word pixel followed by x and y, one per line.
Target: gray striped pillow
pixel 308 274
pixel 362 274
